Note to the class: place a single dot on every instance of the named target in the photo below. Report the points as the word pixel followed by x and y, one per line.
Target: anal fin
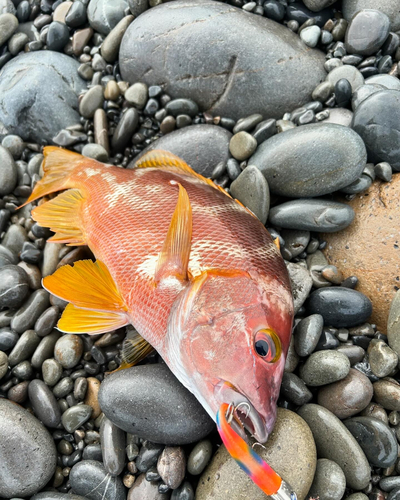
pixel 75 320
pixel 134 349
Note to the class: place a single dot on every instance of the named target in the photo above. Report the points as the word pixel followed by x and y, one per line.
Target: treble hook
pixel 244 403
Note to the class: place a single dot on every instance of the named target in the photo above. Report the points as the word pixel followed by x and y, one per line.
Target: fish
pixel 194 272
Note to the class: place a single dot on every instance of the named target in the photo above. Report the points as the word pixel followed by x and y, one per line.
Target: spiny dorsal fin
pixel 63 216
pixel 75 320
pixel 58 165
pixel 174 256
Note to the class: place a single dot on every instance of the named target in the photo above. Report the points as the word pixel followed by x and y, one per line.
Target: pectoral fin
pixel 174 256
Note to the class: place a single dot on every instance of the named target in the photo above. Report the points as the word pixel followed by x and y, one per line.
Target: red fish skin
pixel 126 215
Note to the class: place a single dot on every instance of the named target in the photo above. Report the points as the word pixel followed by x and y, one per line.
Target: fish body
pixel 198 277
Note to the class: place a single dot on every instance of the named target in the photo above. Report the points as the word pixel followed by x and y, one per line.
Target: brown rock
pixel 80 40
pixel 92 393
pixel 348 396
pixel 369 247
pixel 61 12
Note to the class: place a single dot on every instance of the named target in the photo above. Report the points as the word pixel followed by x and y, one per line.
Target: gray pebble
pixel 325 367
pixel 24 348
pixel 50 258
pixel 104 15
pixel 310 35
pixel 126 127
pixel 199 457
pixel 8 339
pixel 248 123
pixel 295 390
pixel 47 321
pixel 110 46
pixel 3 364
pixel 75 417
pixel 295 243
pixel 387 393
pixel 112 447
pixel 322 91
pixel 367 32
pixel 301 283
pixel 68 350
pixel 307 334
pixel 45 349
pixel 63 388
pixel 27 315
pixel 329 481
pixel 92 100
pixel 389 483
pixel 8 25
pixel 15 238
pixel 340 116
pixel 57 36
pixel 388 81
pixel 348 72
pixel 96 152
pixel 242 145
pixel 51 371
pixel 137 95
pixel 265 130
pixel 93 452
pixel 383 171
pixel 393 327
pixel 14 287
pixel 44 403
pixel 14 145
pixel 182 107
pixel 90 479
pixel 138 6
pixel 363 92
pixel 382 359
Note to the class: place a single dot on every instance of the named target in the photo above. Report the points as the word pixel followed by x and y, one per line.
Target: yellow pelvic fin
pixel 134 349
pixel 63 216
pixel 277 244
pixel 87 285
pixel 75 320
pixel 174 256
pixel 58 165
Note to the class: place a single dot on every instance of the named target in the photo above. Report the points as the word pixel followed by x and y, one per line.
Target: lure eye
pixel 267 345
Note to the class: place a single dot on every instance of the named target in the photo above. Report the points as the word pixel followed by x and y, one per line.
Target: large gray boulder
pixel 230 62
pixel 389 7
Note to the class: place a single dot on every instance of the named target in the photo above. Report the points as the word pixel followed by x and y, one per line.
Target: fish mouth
pixel 249 418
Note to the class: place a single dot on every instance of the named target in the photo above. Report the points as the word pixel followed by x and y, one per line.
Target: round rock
pixel 39 95
pixel 14 286
pixel 165 412
pixel 44 403
pixel 387 393
pixel 199 457
pixel 68 350
pixel 306 161
pixel 389 7
pixel 175 39
pixel 90 479
pixel 329 481
pixel 367 32
pixel 291 437
pixel 8 172
pixel 27 452
pixel 105 15
pixel 325 367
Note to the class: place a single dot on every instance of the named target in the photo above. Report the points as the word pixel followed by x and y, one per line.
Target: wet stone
pixel 171 466
pixel 307 334
pixel 324 367
pixel 264 130
pixel 182 107
pixel 75 417
pixel 126 127
pixel 295 243
pixel 57 36
pixel 387 393
pixel 248 123
pixel 3 364
pixel 47 321
pixel 389 483
pixel 76 15
pixel 51 371
pixel 8 339
pixel 199 457
pixel 113 447
pixel 382 359
pixel 24 348
pixel 367 32
pixel 14 286
pixel 375 438
pixel 295 390
pixel 68 350
pixel 90 479
pixel 184 492
pixel 63 388
pixel 343 92
pixel 110 46
pixel 44 403
pixel 242 145
pixel 329 481
pixel 301 284
pixel 148 455
pixel 45 349
pixel 348 72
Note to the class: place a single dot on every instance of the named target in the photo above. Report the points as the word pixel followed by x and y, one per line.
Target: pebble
pixel 251 189
pixel 242 145
pixel 126 127
pixel 8 339
pixel 145 490
pixel 305 161
pixel 199 457
pixel 80 39
pixel 310 35
pixel 112 447
pixel 95 151
pixel 348 396
pixel 24 348
pixel 382 359
pixel 47 321
pixel 17 42
pixel 322 91
pixel 8 26
pixel 307 334
pixel 295 243
pixel 318 215
pixel 363 93
pixel 44 403
pixel 75 15
pixel 14 286
pixel 182 106
pixel 295 390
pixel 388 81
pixel 68 350
pixel 171 466
pixel 248 123
pixel 367 32
pixel 27 443
pixel 91 398
pixel 63 388
pixel 75 417
pixel 90 479
pixel 184 492
pixel 329 481
pixel 339 306
pixel 393 327
pixel 325 367
pixel 3 364
pixel 389 483
pixel 340 116
pixel 348 72
pixel 301 284
pixel 51 371
pixel 291 437
pixel 8 172
pixel 57 36
pixel 104 16
pixel 167 413
pixel 336 443
pixel 92 100
pixel 111 44
pixel 387 393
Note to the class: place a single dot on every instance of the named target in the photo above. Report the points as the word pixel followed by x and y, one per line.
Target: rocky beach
pixel 292 107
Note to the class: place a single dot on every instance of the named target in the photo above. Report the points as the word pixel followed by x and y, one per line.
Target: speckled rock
pixel 90 479
pixel 325 367
pixel 329 481
pixel 173 46
pixel 389 7
pixel 104 15
pixel 68 350
pixel 290 450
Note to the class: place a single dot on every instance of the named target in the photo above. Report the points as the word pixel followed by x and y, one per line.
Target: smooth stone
pixel 355 353
pixel 57 36
pixel 382 359
pixel 8 339
pixel 92 100
pixel 248 123
pixel 14 286
pixel 306 161
pixel 51 371
pixel 295 390
pixel 376 120
pixel 111 44
pixel 291 437
pixel 68 350
pixel 182 106
pixel 340 116
pixel 6 6
pixel 90 479
pixel 44 403
pixel 39 95
pixel 7 256
pixel 295 243
pixel 112 447
pixel 265 130
pixel 215 78
pixel 388 81
pixel 310 35
pixel 76 15
pixel 348 72
pixel 199 457
pixel 54 495
pixel 145 490
pixel 307 334
pixel 137 94
pixel 389 7
pixel 3 364
pixel 47 321
pixel 251 189
pixel 24 348
pixel 363 93
pixel 357 496
pixel 92 393
pixel 8 172
pixel 389 483
pixel 336 443
pixel 8 25
pixel 165 412
pixel 137 7
pixel 316 6
pixel 393 326
pixel 95 151
pixel 27 315
pixel 342 92
pixel 63 388
pixel 325 367
pixel 301 284
pixel 17 42
pixel 367 32
pixel 27 452
pixel 323 91
pixel 14 239
pixel 329 481
pixel 104 15
pixel 387 393
pixel 171 466
pixel 348 396
pixel 298 12
pixel 75 417
pixel 339 306
pixel 317 215
pixel 209 145
pixel 92 452
pixel 126 127
pixel 242 145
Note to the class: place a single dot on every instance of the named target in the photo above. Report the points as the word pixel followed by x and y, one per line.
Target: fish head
pixel 228 339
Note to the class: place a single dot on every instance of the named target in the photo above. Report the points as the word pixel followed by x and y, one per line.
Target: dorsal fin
pixel 175 253
pixel 63 216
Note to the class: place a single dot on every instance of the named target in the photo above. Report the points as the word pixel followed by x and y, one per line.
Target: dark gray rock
pixel 90 479
pixel 24 348
pixel 364 92
pixel 27 452
pixel 39 95
pixel 295 390
pixel 57 36
pixel 165 412
pixel 105 15
pixel 76 15
pixel 8 338
pixel 375 438
pixel 14 286
pixel 172 46
pixel 199 457
pixel 306 161
pixel 112 446
pixel 200 146
pixel 295 242
pixel 307 334
pixel 301 283
pixel 27 315
pixel 8 172
pixel 388 81
pixel 367 32
pixel 75 417
pixel 138 6
pixel 44 403
pixel 389 7
pixel 329 481
pixel 350 73
pixel 325 367
pixel 68 350
pixel 312 215
pixel 377 121
pixel 339 306
pixel 125 129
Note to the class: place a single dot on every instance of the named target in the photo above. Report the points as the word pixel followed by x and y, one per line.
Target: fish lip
pixel 227 393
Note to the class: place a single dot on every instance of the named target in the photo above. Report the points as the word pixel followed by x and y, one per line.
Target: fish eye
pixel 267 345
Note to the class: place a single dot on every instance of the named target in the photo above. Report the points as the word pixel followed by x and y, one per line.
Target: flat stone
pixel 336 443
pixel 307 334
pixel 8 25
pixel 329 481
pixel 291 437
pixel 301 284
pixel 92 100
pixel 165 412
pixel 104 15
pixel 367 32
pixel 348 396
pixel 251 189
pixel 325 367
pixel 200 146
pixel 389 7
pixel 27 452
pixel 90 479
pixel 75 417
pixel 39 95
pixel 170 47
pixel 348 72
pixel 306 161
